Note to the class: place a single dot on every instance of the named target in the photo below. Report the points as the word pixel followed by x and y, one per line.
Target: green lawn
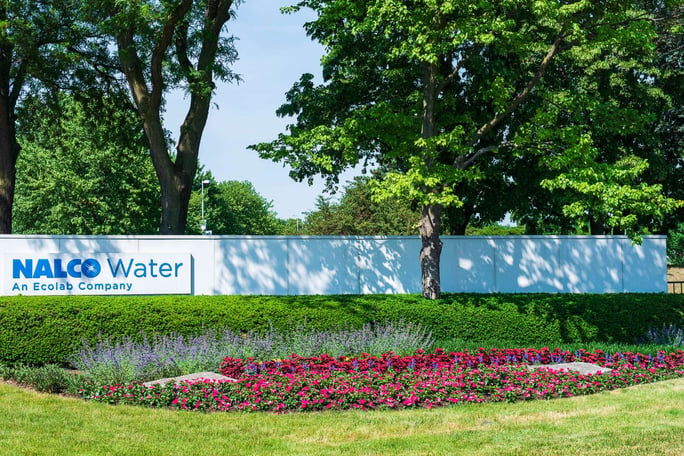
pixel 647 419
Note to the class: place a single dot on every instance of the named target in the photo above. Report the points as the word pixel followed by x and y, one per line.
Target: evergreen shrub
pixel 44 330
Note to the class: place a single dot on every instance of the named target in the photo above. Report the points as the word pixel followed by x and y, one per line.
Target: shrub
pixel 666 335
pixel 675 246
pixel 43 330
pixel 48 379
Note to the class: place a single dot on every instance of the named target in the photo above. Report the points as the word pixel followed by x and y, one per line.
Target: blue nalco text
pixel 90 268
pixel 56 269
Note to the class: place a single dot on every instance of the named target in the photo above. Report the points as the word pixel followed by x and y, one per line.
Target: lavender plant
pixel 162 356
pixel 667 335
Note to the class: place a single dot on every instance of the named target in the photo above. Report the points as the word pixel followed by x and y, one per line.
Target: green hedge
pixel 40 330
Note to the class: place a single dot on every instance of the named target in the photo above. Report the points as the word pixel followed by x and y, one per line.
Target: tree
pixel 670 130
pixel 162 45
pixel 231 207
pixel 84 168
pixel 42 46
pixel 433 90
pixel 357 214
pixel 675 246
pixel 623 179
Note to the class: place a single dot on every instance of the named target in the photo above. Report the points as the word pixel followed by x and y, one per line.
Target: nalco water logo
pixel 100 274
pixel 55 269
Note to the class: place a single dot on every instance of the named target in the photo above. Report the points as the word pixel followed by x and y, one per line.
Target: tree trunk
pixel 175 196
pixel 7 180
pixel 431 251
pixel 431 217
pixel 175 176
pixel 596 227
pixel 9 151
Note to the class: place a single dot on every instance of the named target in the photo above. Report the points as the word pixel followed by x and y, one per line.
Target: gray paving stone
pixel 582 368
pixel 191 377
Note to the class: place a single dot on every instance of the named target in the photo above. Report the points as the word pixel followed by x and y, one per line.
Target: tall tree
pixel 42 46
pixel 435 88
pixel 357 214
pixel 609 165
pixel 84 168
pixel 162 45
pixel 231 207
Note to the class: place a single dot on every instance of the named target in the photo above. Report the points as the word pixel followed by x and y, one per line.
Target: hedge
pixel 39 330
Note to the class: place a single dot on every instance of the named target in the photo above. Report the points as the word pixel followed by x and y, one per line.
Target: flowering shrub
pixel 423 380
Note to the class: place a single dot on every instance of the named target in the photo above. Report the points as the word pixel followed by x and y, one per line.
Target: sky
pixel 274 52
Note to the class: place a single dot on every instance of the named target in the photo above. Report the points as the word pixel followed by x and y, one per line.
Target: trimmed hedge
pixel 39 330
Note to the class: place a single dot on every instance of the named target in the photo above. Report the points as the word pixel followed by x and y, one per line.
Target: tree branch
pixel 162 46
pixel 445 83
pixel 553 50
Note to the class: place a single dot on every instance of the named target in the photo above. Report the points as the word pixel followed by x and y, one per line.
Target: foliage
pixel 445 96
pixel 495 230
pixel 172 355
pixel 446 382
pixel 230 207
pixel 675 246
pixel 44 47
pixel 79 175
pixel 667 334
pixel 357 214
pixel 40 330
pixel 50 378
pixel 161 46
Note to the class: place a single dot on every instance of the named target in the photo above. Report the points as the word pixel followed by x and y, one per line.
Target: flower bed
pixel 423 380
pixel 420 360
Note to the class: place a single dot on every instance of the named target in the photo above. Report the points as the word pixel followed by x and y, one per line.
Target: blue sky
pixel 274 52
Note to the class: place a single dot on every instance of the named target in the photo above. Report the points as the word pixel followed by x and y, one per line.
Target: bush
pixel 675 246
pixel 47 379
pixel 43 330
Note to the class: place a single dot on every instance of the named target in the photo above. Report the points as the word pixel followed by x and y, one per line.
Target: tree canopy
pixel 43 46
pixel 439 93
pixel 231 207
pixel 79 175
pixel 357 214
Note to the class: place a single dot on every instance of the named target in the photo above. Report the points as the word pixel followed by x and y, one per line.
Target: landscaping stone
pixel 191 377
pixel 582 368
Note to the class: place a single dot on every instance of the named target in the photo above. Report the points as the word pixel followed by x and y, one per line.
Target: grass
pixel 646 419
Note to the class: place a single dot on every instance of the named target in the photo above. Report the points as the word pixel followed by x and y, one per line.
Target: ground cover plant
pixel 270 376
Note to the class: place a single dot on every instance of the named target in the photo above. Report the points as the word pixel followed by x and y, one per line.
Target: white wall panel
pixel 249 265
pixel 643 265
pixel 468 265
pixel 388 265
pixel 592 264
pixel 321 266
pixel 527 265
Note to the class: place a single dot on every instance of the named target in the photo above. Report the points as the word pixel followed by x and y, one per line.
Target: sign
pixel 97 274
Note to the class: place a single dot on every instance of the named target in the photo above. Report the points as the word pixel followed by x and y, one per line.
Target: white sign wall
pixel 282 265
